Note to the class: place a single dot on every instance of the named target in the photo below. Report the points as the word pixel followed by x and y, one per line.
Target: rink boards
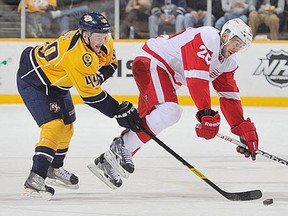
pixel 262 76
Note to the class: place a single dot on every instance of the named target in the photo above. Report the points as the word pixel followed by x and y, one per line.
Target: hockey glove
pixel 248 135
pixel 242 150
pixel 128 117
pixel 210 123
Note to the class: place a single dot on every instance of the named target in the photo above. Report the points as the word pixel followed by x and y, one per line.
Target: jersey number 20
pixel 204 54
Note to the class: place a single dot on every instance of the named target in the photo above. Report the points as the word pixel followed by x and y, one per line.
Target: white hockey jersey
pixel 192 58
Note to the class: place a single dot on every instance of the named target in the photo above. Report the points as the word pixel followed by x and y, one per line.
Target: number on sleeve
pixel 92 80
pixel 49 51
pixel 204 54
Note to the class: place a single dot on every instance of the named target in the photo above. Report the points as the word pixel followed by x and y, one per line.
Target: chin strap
pixel 221 57
pixel 88 45
pixel 222 44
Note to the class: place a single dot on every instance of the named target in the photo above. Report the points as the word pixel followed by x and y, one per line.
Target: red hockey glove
pixel 243 150
pixel 210 123
pixel 248 135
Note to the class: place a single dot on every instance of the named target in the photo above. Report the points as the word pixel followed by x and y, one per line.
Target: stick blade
pixel 244 196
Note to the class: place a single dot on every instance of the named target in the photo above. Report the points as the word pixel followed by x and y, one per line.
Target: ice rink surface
pixel 161 185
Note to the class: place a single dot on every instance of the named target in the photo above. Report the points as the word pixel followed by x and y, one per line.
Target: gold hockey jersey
pixel 68 62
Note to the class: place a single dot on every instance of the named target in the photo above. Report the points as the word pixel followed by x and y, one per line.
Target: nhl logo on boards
pixel 87 59
pixel 274 68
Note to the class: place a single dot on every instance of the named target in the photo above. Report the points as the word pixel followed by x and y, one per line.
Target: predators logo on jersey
pixel 87 59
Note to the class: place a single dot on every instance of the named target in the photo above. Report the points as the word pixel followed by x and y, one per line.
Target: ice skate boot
pixel 120 158
pixel 60 177
pixel 35 188
pixel 105 172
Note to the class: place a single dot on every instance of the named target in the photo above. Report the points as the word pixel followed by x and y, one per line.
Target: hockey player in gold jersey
pixel 83 58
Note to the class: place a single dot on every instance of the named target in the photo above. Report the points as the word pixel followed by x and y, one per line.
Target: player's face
pixel 233 46
pixel 97 40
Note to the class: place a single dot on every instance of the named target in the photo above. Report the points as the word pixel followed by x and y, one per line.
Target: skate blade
pixel 99 173
pixel 33 194
pixel 57 183
pixel 110 158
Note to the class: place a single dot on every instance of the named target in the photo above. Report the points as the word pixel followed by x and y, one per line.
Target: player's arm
pixel 91 93
pixel 196 63
pixel 125 113
pixel 106 72
pixel 231 107
pixel 230 103
pixel 110 66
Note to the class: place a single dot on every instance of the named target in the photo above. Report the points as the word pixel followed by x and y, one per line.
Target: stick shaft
pixel 246 195
pixel 260 152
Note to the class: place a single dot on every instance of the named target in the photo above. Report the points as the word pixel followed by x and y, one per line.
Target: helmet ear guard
pixel 236 27
pixel 94 22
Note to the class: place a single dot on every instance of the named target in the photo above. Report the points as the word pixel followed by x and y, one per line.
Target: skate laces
pixel 126 155
pixel 62 173
pixel 122 151
pixel 111 172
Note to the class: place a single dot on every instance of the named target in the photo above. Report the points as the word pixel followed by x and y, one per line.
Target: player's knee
pixel 140 67
pixel 54 132
pixel 65 141
pixel 171 112
pixel 166 115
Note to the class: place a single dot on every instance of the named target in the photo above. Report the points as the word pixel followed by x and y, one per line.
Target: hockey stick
pixel 237 196
pixel 260 152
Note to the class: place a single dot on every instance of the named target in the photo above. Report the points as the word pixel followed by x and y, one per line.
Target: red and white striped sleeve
pixel 230 102
pixel 196 63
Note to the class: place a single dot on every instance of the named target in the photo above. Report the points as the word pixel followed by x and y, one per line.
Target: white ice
pixel 161 185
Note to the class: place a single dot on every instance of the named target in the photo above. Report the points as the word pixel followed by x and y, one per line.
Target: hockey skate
pixel 35 188
pixel 103 170
pixel 120 158
pixel 62 178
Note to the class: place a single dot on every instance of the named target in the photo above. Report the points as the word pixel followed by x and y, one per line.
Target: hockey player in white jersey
pixel 194 58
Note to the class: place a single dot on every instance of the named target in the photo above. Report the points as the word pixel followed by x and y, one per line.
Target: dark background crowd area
pixel 10 19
